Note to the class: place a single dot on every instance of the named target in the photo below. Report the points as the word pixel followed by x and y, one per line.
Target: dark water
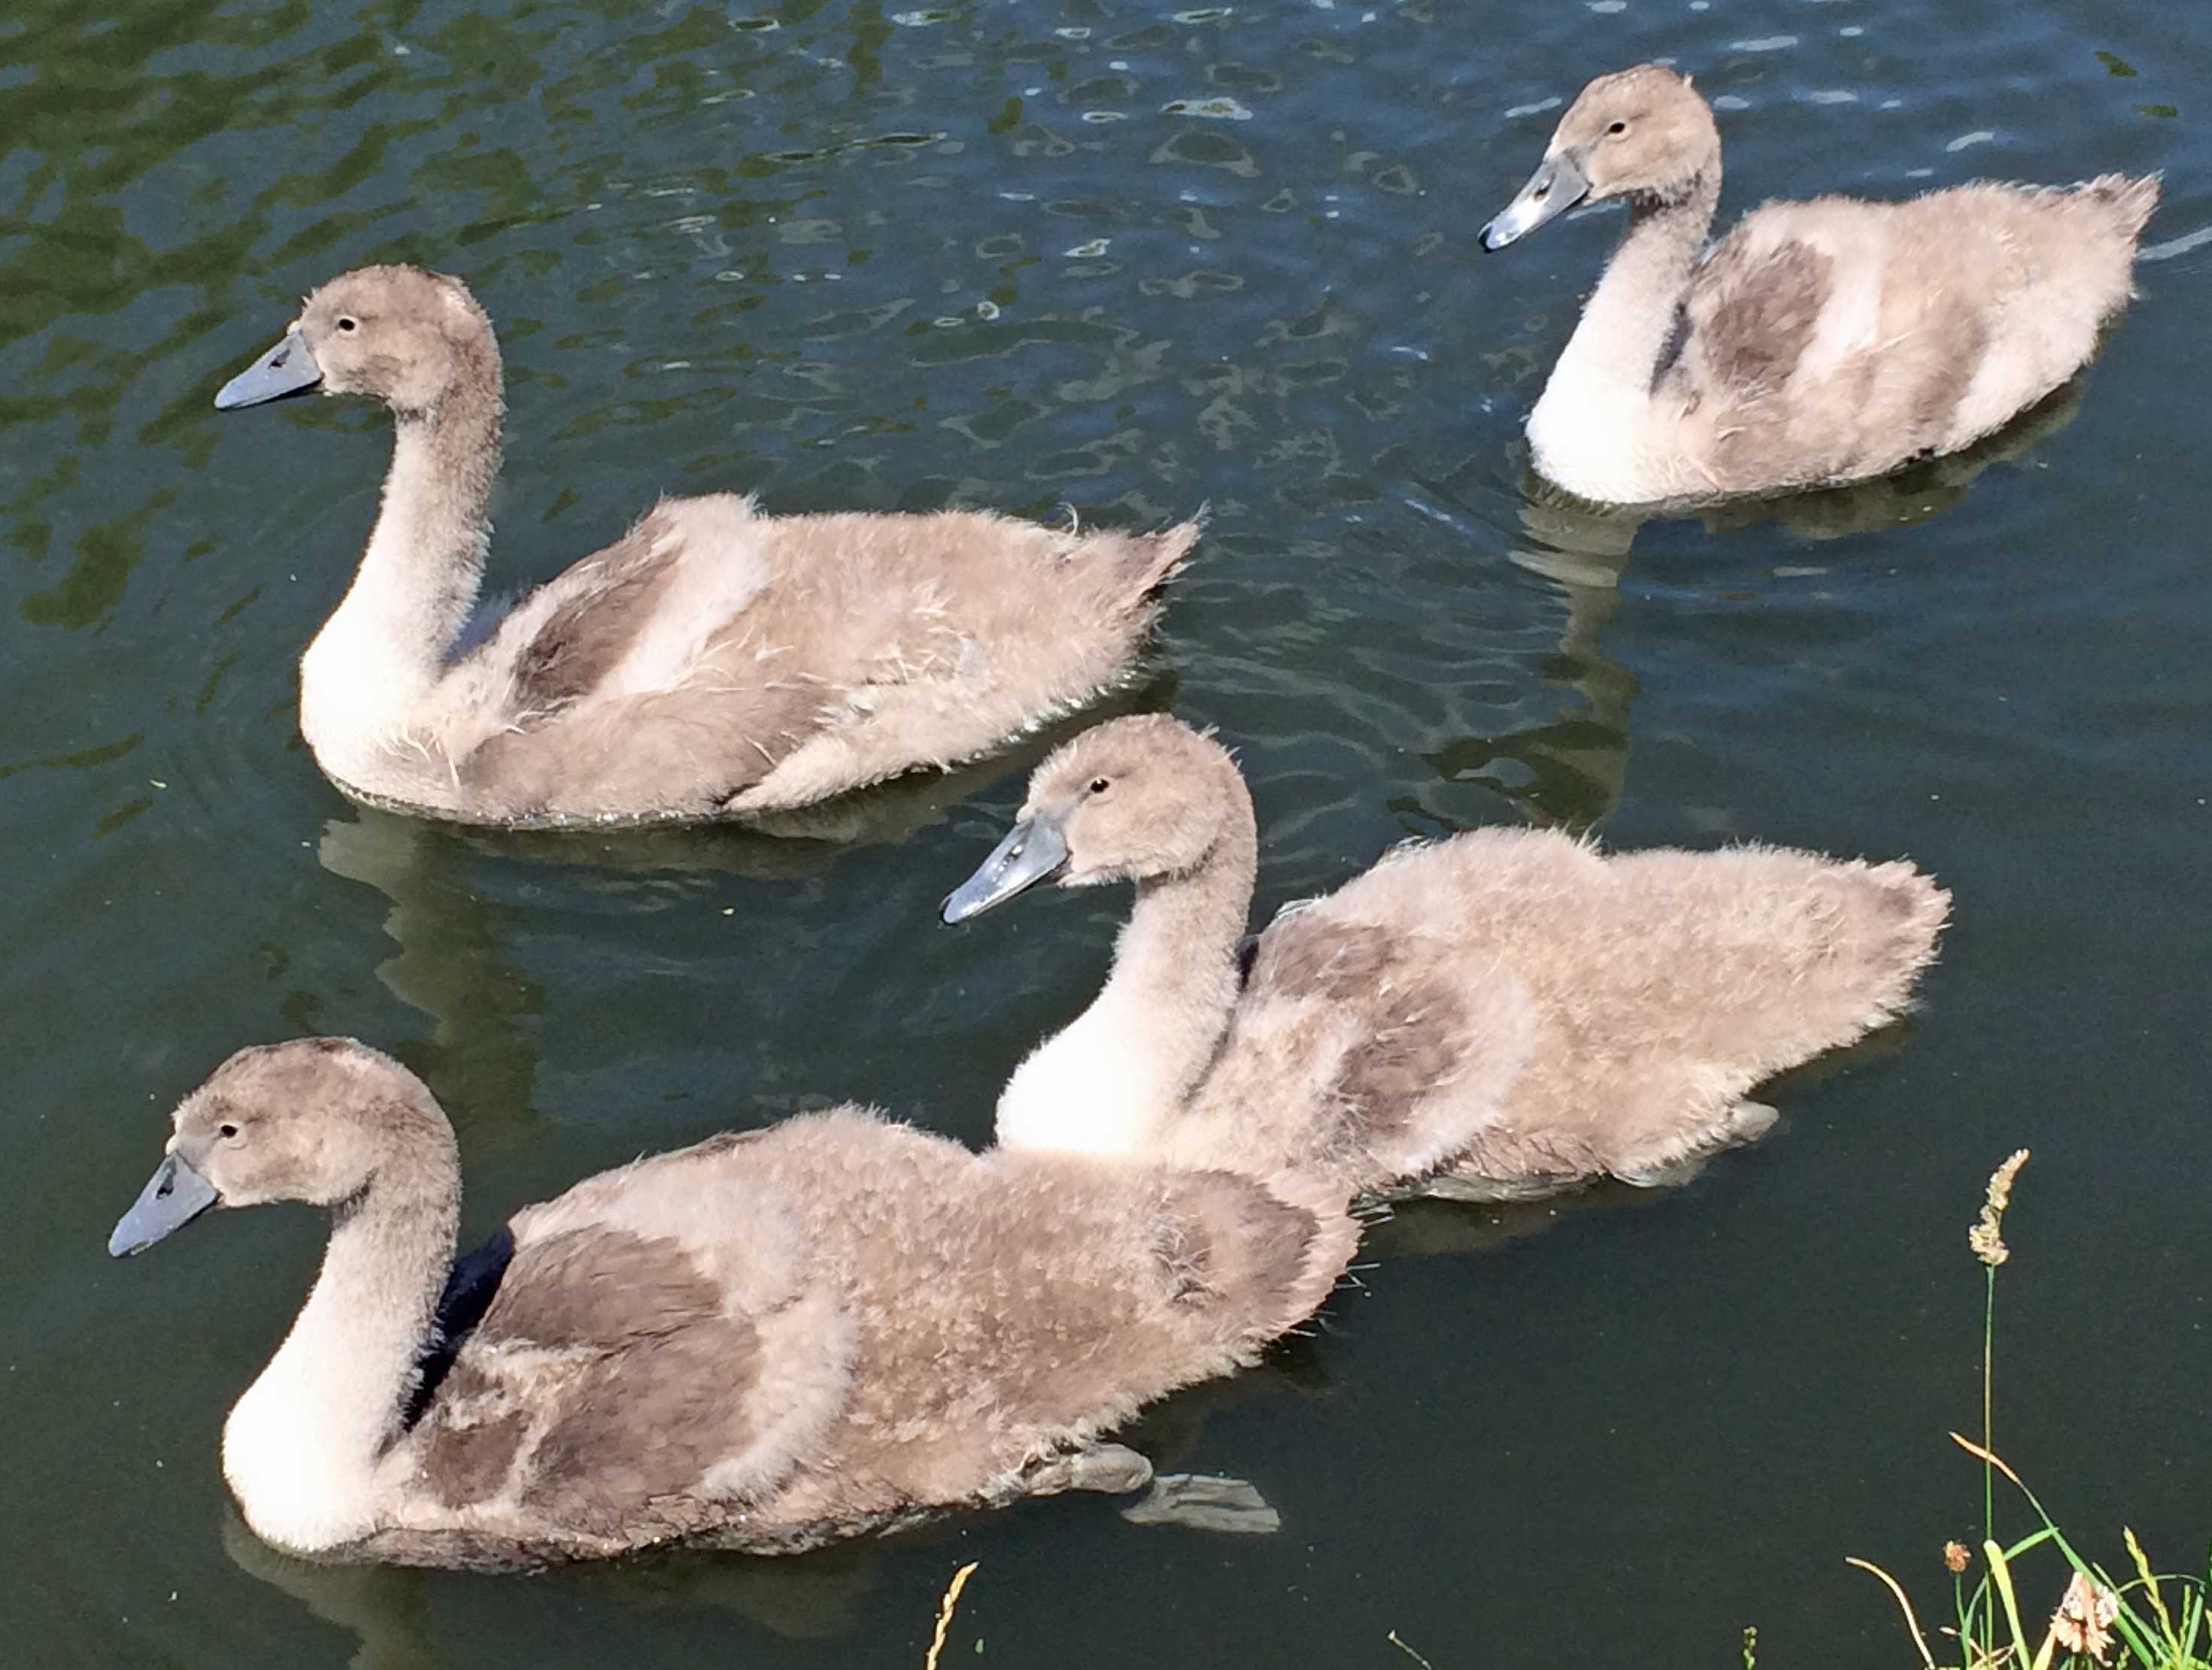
pixel 1096 254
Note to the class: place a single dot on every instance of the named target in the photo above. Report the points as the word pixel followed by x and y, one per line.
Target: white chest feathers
pixel 354 700
pixel 366 684
pixel 1597 441
pixel 302 1470
pixel 1093 1089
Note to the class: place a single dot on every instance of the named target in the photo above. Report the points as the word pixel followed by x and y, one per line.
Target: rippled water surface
pixel 1037 253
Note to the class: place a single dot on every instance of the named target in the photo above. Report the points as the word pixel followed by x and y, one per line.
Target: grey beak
pixel 1558 185
pixel 174 1196
pixel 287 368
pixel 1033 849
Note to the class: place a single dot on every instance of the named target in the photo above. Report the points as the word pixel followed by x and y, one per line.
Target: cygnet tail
pixel 2129 199
pixel 1146 561
pixel 1782 955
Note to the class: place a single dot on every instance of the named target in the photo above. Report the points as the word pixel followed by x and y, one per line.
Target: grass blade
pixel 1903 1603
pixel 2001 1575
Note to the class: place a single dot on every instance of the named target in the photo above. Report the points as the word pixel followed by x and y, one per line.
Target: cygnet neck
pixel 1625 326
pixel 1113 1079
pixel 383 649
pixel 302 1446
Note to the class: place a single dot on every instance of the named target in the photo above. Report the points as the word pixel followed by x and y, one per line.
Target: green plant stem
pixel 1988 1473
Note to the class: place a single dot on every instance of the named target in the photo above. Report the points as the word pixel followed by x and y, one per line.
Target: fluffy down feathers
pixel 713 662
pixel 1820 341
pixel 768 1341
pixel 1507 1012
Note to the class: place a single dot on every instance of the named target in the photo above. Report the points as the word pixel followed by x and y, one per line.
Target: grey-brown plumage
pixel 1818 342
pixel 835 1326
pixel 1507 1012
pixel 713 662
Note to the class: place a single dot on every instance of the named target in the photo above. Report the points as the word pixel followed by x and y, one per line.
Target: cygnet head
pixel 1642 133
pixel 1131 800
pixel 315 1120
pixel 401 335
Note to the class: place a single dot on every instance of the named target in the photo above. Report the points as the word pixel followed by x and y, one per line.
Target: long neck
pixel 1176 961
pixel 1629 318
pixel 1125 1065
pixel 302 1446
pixel 383 649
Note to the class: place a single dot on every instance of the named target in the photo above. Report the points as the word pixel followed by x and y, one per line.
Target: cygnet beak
pixel 172 1197
pixel 1033 848
pixel 1558 185
pixel 287 368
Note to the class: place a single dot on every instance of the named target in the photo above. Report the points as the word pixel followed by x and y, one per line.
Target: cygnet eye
pixel 226 1130
pixel 1617 127
pixel 1100 785
pixel 347 322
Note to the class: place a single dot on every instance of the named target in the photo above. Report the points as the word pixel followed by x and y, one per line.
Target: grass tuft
pixel 2095 1615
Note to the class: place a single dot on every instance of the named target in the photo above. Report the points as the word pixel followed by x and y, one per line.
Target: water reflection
pixel 454 959
pixel 1911 495
pixel 450 965
pixel 393 1613
pixel 1569 771
pixel 385 1608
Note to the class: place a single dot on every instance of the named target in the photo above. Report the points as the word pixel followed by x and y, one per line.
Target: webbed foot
pixel 1109 1469
pixel 1748 1121
pixel 1206 1501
